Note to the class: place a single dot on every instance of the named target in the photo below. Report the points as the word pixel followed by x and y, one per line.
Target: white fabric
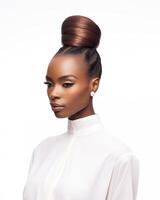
pixel 84 163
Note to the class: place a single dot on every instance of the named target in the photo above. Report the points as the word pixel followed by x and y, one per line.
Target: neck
pixel 85 125
pixel 88 110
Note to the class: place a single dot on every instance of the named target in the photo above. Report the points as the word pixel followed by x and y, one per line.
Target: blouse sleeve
pixel 124 179
pixel 31 163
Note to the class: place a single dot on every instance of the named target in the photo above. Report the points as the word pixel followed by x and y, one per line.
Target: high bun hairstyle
pixel 81 35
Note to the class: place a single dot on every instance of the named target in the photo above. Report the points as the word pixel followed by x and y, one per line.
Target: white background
pixel 128 99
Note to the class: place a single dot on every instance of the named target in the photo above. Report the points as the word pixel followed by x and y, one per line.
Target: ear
pixel 94 84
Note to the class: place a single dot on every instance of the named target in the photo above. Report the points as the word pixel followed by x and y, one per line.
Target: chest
pixel 71 172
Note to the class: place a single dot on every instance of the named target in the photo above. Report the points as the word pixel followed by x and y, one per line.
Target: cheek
pixel 78 96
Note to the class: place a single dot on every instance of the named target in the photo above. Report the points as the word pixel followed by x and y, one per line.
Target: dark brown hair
pixel 81 35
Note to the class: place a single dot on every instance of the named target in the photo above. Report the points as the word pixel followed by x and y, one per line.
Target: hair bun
pixel 80 31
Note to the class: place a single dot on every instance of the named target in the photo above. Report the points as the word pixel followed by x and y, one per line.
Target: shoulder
pixel 127 165
pixel 115 145
pixel 48 143
pixel 127 159
pixel 123 154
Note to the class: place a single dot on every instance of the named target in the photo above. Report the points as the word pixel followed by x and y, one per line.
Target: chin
pixel 60 115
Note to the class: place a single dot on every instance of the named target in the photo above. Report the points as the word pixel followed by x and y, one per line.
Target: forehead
pixel 67 64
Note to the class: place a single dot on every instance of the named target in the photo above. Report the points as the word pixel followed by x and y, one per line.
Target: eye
pixel 48 83
pixel 68 84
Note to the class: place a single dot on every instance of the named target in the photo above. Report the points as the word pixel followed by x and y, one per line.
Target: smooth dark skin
pixel 75 98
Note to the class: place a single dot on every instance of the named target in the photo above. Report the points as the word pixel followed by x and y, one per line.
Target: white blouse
pixel 83 163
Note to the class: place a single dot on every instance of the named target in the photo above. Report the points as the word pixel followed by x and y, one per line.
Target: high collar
pixel 85 125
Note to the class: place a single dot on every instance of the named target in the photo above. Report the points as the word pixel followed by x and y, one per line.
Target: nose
pixel 54 92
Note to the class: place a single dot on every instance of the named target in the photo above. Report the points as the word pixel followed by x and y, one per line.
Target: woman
pixel 85 162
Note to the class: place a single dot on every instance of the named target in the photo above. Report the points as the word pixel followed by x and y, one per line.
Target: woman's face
pixel 73 91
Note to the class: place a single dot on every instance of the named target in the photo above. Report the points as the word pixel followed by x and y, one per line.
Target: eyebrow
pixel 62 77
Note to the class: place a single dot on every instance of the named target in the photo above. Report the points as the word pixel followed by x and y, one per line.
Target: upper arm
pixel 124 179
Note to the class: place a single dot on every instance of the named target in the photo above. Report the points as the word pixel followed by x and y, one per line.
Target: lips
pixel 56 107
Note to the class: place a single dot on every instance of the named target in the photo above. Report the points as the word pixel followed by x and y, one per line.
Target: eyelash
pixel 47 82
